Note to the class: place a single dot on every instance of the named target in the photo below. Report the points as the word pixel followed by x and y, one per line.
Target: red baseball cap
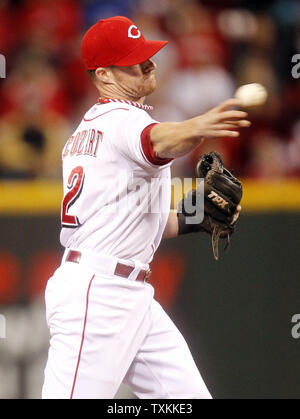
pixel 116 41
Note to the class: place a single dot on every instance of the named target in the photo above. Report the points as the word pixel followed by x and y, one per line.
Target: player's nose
pixel 148 66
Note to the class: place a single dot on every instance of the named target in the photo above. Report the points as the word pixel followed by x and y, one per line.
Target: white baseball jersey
pixel 116 192
pixel 107 329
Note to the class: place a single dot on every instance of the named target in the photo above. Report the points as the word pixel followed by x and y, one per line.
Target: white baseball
pixel 252 94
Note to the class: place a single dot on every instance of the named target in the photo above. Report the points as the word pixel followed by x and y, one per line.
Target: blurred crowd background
pixel 214 47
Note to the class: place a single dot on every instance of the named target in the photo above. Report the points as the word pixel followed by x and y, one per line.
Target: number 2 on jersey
pixel 75 184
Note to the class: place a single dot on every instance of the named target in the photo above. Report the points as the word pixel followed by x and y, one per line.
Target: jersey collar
pixel 128 102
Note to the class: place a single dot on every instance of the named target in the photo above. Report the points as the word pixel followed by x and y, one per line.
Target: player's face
pixel 136 81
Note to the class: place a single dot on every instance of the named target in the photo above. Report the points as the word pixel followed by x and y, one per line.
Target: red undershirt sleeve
pixel 147 148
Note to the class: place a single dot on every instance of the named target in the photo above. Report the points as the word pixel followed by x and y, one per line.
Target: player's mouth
pixel 149 73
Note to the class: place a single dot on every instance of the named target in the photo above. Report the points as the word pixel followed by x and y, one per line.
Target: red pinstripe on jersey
pixel 82 336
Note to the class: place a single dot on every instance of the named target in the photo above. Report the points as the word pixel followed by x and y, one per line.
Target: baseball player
pixel 106 328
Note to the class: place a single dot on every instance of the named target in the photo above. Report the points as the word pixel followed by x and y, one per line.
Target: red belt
pixel 121 269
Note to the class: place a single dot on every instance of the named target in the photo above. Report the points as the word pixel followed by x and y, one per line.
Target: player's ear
pixel 104 75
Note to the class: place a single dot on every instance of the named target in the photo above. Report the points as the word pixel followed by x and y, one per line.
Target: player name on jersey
pixel 83 143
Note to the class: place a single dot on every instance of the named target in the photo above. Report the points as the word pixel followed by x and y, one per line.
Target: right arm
pixel 175 139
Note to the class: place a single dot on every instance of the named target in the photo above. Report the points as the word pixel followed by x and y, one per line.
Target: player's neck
pixel 123 97
pixel 127 98
pixel 129 102
pixel 114 94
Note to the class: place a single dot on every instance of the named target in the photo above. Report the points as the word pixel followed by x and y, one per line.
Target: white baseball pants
pixel 106 330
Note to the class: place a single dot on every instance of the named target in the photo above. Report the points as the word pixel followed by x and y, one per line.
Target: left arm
pixel 172 226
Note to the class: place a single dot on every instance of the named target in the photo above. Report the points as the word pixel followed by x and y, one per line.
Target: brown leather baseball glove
pixel 222 194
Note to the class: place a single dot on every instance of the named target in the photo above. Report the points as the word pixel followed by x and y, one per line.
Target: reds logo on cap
pixel 116 41
pixel 130 33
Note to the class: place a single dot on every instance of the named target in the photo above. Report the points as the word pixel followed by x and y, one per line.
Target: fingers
pixel 220 122
pixel 227 115
pixel 233 125
pixel 227 104
pixel 226 133
pixel 238 123
pixel 228 128
pixel 222 133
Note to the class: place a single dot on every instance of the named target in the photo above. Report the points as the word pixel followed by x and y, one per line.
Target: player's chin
pixel 149 86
